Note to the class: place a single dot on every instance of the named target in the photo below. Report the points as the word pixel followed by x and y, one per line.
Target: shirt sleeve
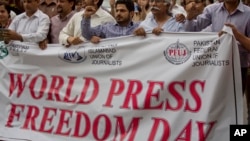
pixel 41 33
pixel 88 32
pixel 190 25
pixel 202 21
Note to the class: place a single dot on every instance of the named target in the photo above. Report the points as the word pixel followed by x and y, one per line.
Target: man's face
pixel 78 6
pixel 4 16
pixel 143 2
pixel 159 6
pixel 89 2
pixel 64 6
pixel 122 14
pixel 30 6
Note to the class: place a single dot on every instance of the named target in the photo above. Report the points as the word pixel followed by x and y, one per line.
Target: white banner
pixel 172 87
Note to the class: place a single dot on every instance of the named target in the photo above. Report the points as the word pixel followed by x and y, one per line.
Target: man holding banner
pixel 216 15
pixel 189 91
pixel 123 26
pixel 30 26
pixel 160 20
pixel 71 33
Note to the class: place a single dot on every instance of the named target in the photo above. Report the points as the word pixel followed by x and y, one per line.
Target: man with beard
pixel 160 21
pixel 124 12
pixel 71 33
pixel 30 26
pixel 65 10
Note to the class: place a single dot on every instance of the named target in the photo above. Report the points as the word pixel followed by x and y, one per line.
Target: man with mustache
pixel 65 10
pixel 160 21
pixel 124 12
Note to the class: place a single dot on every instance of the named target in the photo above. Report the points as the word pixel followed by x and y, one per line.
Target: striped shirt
pixel 107 30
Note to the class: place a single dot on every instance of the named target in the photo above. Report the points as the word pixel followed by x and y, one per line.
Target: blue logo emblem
pixel 73 55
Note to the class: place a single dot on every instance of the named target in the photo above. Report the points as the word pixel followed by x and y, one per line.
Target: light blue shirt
pixel 170 26
pixel 216 15
pixel 32 29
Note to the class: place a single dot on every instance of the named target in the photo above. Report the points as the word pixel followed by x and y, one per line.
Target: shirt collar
pixel 36 14
pixel 67 16
pixel 240 7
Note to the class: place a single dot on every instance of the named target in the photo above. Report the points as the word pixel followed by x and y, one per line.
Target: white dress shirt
pixel 73 28
pixel 12 15
pixel 32 29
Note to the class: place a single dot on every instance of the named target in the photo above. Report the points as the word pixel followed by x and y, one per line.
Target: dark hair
pixel 6 6
pixel 74 3
pixel 99 3
pixel 129 4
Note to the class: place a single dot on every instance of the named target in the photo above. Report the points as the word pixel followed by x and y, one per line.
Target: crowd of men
pixel 72 22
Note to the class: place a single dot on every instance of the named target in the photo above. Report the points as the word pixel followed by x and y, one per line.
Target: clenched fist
pixel 89 10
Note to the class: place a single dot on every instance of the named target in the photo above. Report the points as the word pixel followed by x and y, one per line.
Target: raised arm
pixel 87 31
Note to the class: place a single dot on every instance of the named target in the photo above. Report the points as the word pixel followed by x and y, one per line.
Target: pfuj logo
pixel 3 50
pixel 177 53
pixel 73 55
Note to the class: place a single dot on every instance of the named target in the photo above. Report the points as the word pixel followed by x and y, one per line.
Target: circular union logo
pixel 177 53
pixel 73 55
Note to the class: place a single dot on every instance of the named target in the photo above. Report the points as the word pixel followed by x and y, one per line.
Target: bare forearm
pixel 244 41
